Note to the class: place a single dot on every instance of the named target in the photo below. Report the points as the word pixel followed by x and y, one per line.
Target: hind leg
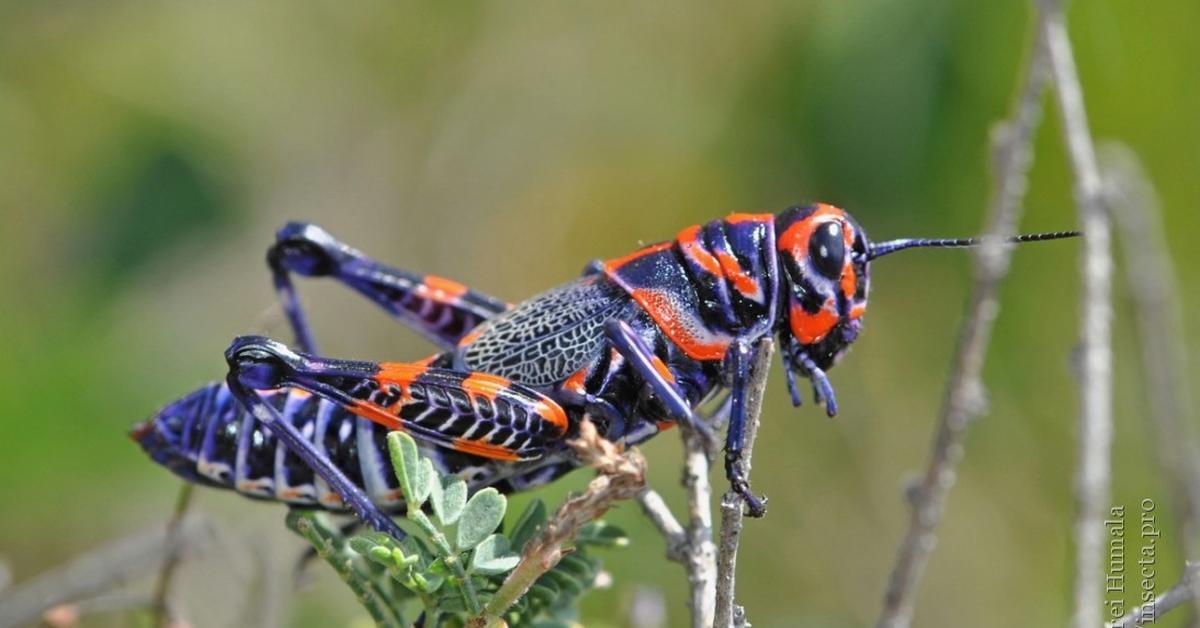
pixel 439 309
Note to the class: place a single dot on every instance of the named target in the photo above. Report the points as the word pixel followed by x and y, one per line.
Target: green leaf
pixel 577 566
pixel 541 594
pixel 429 581
pixel 481 516
pixel 438 567
pixel 362 545
pixel 426 478
pixel 531 519
pixel 492 556
pixel 602 534
pixel 405 463
pixel 567 583
pixel 452 603
pixel 449 496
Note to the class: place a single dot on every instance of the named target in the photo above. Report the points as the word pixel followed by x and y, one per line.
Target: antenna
pixel 891 246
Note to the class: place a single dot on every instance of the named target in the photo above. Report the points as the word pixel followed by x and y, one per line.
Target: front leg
pixel 738 361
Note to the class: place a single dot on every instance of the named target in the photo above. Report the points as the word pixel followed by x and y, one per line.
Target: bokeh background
pixel 149 149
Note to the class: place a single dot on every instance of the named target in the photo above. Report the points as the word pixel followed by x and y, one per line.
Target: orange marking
pixel 575 383
pixel 689 242
pixel 485 385
pixel 742 280
pixel 552 413
pixel 662 369
pixel 613 264
pixel 662 310
pixel 471 336
pixel 290 493
pixel 848 235
pixel 849 279
pixel 810 328
pixel 399 372
pixel 664 425
pixel 487 450
pixel 368 410
pixel 443 289
pixel 858 310
pixel 740 218
pixel 795 238
pixel 333 499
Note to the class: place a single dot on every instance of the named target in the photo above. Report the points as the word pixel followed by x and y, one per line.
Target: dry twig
pixel 101 570
pixel 700 557
pixel 162 588
pixel 1095 429
pixel 732 503
pixel 964 394
pixel 1132 200
pixel 711 590
pixel 619 476
pixel 1188 588
pixel 660 515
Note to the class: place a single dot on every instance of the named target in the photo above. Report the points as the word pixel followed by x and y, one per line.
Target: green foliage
pixel 452 563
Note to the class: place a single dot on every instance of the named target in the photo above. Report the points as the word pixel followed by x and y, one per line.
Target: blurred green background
pixel 149 149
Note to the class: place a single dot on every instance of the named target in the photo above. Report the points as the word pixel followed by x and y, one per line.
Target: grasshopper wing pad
pixel 547 338
pixel 475 413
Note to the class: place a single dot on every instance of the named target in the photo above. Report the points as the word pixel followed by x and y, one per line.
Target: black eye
pixel 827 249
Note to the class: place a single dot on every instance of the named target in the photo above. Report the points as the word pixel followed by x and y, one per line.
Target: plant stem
pixel 162 589
pixel 332 549
pixel 461 579
pixel 732 502
pixel 1095 432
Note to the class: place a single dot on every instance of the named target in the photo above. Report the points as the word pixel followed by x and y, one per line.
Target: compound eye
pixel 827 249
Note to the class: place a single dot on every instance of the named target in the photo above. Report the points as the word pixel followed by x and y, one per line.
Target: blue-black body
pixel 636 344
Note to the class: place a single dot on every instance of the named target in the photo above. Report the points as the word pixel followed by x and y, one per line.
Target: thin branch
pixel 101 570
pixel 701 560
pixel 333 549
pixel 1188 588
pixel 964 394
pixel 1133 202
pixel 1095 427
pixel 732 503
pixel 162 589
pixel 660 515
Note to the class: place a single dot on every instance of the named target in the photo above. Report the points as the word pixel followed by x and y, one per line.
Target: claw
pixel 755 507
